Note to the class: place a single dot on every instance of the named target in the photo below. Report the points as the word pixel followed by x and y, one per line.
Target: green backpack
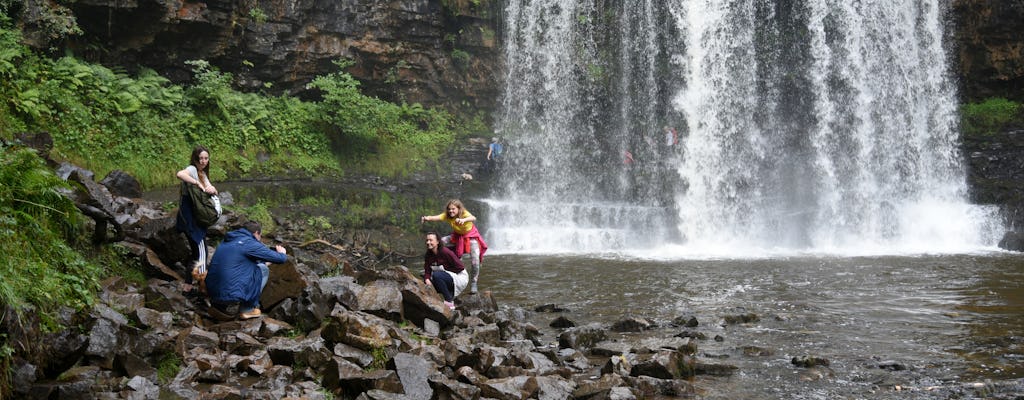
pixel 204 210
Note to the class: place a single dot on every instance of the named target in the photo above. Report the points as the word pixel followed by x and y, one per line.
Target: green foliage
pixel 102 119
pixel 260 212
pixel 258 15
pixel 38 228
pixel 380 359
pixel 990 116
pixel 460 58
pixel 399 137
pixel 168 367
pixel 319 222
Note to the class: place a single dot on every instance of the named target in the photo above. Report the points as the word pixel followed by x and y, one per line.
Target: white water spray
pixel 813 126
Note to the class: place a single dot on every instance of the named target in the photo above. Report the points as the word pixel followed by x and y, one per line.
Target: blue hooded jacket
pixel 234 275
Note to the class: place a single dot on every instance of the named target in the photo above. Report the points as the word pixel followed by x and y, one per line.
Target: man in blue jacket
pixel 238 271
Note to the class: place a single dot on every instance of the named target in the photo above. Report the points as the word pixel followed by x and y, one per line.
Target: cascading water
pixel 813 125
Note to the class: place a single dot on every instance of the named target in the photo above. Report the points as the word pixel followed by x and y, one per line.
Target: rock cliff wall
pixel 990 48
pixel 428 51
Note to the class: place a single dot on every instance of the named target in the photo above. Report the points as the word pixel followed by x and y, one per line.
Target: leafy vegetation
pixel 990 116
pixel 102 119
pixel 41 267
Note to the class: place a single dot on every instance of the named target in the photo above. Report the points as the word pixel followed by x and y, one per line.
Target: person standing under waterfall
pixel 443 270
pixel 196 173
pixel 465 237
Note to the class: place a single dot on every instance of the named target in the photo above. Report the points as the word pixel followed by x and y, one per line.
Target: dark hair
pixel 436 236
pixel 253 226
pixel 195 159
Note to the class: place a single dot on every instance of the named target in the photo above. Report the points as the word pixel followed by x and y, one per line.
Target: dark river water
pixel 892 327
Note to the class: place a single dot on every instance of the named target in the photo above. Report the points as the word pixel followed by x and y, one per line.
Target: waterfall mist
pixel 806 126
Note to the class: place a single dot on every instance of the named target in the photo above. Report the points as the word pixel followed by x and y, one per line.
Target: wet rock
pixel 352 354
pixel 652 345
pixel 133 365
pixel 309 351
pixel 1012 241
pixel 891 366
pixel 632 324
pixel 619 365
pixel 702 368
pixel 574 359
pixel 741 319
pixel 692 335
pixel 562 322
pixel 665 364
pixel 383 299
pixel 480 302
pixel 273 327
pixel 142 388
pixel 164 296
pixel 648 387
pixel 582 338
pixel 122 184
pixel 285 282
pixel 450 389
pixel 514 388
pixel 362 381
pixel 621 393
pixel 338 370
pixel 755 351
pixel 195 338
pixel 357 329
pixel 817 373
pixel 687 322
pixel 96 202
pixel 549 308
pixel 597 389
pixel 413 372
pixel 809 361
pixel 611 348
pixel 153 319
pixel 104 342
pixel 376 394
pixel 489 334
pixel 341 289
pixel 23 376
pixel 554 388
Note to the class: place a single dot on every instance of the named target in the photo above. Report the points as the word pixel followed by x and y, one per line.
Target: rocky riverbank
pixel 345 319
pixel 342 320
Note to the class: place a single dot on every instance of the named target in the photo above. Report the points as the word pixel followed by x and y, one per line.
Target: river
pixel 946 321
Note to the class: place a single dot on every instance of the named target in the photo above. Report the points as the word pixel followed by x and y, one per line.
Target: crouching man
pixel 238 271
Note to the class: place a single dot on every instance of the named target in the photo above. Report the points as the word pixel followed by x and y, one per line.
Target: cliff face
pixel 428 51
pixel 990 48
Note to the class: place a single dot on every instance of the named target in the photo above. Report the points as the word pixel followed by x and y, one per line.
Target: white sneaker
pixel 450 305
pixel 472 287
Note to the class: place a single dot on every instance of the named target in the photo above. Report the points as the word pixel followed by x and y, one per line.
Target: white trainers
pixel 450 305
pixel 472 287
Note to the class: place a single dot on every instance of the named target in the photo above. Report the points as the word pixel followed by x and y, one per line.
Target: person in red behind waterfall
pixel 465 237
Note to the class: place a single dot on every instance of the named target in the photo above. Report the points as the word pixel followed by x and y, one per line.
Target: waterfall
pixel 804 125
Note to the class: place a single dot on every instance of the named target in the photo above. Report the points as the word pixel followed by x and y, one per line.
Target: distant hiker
pixel 495 150
pixel 465 237
pixel 239 271
pixel 193 218
pixel 671 136
pixel 443 270
pixel 627 158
